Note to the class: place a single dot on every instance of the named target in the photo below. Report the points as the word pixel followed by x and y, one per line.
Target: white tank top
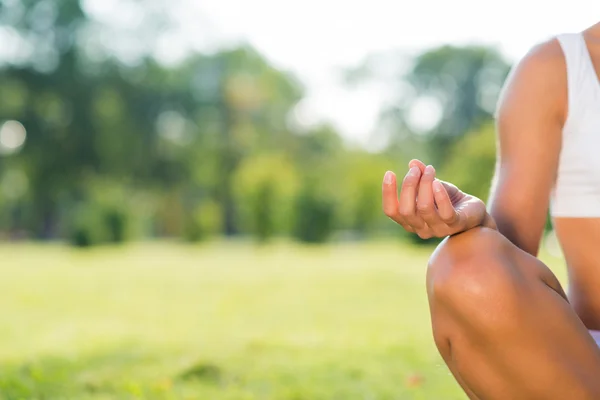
pixel 577 189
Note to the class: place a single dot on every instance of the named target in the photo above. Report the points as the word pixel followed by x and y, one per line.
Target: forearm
pixel 521 229
pixel 518 208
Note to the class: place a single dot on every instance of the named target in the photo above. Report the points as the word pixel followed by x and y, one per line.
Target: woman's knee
pixel 472 274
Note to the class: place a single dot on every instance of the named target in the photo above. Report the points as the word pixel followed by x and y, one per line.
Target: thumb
pixel 452 190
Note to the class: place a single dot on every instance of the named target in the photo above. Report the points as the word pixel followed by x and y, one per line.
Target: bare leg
pixel 503 325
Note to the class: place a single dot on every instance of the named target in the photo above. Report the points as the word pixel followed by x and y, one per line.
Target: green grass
pixel 220 321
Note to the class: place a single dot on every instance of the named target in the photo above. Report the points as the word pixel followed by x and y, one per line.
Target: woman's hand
pixel 429 207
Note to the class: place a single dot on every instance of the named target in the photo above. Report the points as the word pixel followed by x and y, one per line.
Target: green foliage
pixel 117 223
pixel 465 80
pixel 367 209
pixel 94 224
pixel 314 215
pixel 471 162
pixel 203 222
pixel 106 214
pixel 358 185
pixel 264 205
pixel 213 142
pixel 265 186
pixel 86 227
pixel 458 86
pixel 319 145
pixel 179 129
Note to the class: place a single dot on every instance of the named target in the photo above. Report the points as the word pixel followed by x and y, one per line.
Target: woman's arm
pixel 531 113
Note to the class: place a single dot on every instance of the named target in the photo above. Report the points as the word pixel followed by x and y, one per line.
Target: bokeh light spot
pixel 12 137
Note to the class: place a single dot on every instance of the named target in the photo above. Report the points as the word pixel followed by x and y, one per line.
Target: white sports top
pixel 577 189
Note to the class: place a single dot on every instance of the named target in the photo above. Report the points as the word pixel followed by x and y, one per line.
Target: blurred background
pixel 190 190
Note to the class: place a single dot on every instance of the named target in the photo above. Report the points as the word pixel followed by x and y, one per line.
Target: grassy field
pixel 220 321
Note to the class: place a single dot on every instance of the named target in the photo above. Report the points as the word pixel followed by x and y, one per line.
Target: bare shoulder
pixel 548 53
pixel 545 63
pixel 537 84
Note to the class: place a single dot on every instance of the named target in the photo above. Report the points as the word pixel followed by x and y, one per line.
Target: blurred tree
pixel 465 80
pixel 314 214
pixel 251 101
pixel 202 222
pixel 471 161
pixel 265 187
pixel 118 144
pixel 456 88
pixel 45 97
pixel 443 94
pixel 109 213
pixel 90 113
pixel 359 205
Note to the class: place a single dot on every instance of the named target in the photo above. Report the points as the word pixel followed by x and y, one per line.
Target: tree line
pixel 116 151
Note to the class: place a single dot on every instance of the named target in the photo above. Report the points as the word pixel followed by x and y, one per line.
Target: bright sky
pixel 315 38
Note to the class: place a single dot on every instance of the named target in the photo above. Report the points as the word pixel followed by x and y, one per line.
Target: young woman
pixel 501 321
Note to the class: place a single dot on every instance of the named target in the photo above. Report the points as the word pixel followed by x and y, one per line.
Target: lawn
pixel 218 321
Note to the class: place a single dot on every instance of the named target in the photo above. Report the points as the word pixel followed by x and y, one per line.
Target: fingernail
pixel 387 178
pixel 414 171
pixel 437 186
pixel 429 169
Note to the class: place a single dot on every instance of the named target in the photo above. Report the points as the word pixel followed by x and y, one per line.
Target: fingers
pixel 425 203
pixel 417 163
pixel 452 191
pixel 389 190
pixel 408 198
pixel 445 208
pixel 390 200
pixel 403 210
